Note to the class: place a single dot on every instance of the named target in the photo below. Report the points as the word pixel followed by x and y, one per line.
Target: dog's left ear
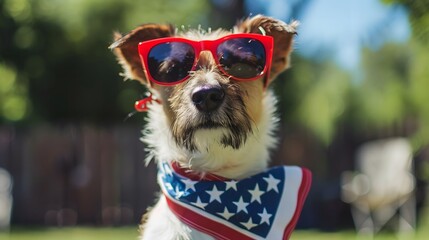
pixel 283 39
pixel 126 48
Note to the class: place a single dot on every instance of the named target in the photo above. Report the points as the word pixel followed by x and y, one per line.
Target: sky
pixel 339 28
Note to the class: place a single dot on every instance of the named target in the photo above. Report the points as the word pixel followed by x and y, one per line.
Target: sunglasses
pixel 243 57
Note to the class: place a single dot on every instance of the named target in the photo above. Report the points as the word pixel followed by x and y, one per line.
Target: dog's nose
pixel 208 98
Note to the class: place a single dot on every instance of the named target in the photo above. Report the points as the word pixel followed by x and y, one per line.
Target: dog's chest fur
pixel 253 157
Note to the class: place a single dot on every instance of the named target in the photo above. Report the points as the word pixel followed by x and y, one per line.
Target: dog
pixel 211 126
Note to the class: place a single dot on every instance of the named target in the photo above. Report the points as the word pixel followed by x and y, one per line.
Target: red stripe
pixel 302 195
pixel 223 232
pixel 194 176
pixel 204 224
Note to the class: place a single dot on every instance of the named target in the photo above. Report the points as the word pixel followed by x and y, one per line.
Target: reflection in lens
pixel 242 57
pixel 170 62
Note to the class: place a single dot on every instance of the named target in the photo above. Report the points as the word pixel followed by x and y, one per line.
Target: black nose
pixel 208 98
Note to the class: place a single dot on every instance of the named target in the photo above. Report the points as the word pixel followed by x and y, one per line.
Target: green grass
pixel 124 233
pixel 350 234
pixel 131 233
pixel 74 233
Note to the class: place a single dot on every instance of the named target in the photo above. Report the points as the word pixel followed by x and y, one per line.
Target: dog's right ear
pixel 126 48
pixel 282 33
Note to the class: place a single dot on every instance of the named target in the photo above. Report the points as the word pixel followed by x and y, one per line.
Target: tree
pixel 54 61
pixel 417 89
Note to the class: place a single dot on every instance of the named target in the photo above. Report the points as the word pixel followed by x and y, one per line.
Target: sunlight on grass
pixel 131 233
pixel 75 233
pixel 421 234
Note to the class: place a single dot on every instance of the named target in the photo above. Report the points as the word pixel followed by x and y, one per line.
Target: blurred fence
pixel 82 174
pixel 77 175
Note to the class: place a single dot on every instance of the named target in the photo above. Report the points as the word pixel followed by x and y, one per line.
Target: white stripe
pixel 288 202
pixel 203 213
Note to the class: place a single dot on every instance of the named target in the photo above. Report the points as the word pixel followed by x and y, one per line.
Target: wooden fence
pixel 80 174
pixel 77 175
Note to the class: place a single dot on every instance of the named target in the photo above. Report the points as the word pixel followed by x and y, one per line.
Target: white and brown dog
pixel 210 128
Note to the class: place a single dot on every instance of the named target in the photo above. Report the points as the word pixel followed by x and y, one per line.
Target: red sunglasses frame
pixel 207 45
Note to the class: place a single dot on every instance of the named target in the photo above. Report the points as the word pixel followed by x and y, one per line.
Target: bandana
pixel 264 206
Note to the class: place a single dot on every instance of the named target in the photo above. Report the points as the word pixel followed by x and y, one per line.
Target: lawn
pixel 74 233
pixel 122 233
pixel 131 233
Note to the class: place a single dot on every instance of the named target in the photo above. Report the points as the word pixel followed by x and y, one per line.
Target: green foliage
pixel 325 102
pixel 13 95
pixel 54 61
pixel 323 90
pixel 381 97
pixel 389 89
pixel 418 91
pixel 419 16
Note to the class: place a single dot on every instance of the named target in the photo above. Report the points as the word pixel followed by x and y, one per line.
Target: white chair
pixel 5 199
pixel 382 186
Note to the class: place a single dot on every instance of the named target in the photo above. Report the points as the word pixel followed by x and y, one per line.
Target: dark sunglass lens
pixel 242 57
pixel 170 62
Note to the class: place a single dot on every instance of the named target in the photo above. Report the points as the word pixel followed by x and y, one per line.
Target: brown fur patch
pixel 283 38
pixel 125 48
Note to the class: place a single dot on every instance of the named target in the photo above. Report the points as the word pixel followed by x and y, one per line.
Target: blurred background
pixel 71 156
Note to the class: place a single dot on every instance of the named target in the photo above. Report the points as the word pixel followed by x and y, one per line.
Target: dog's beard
pixel 231 119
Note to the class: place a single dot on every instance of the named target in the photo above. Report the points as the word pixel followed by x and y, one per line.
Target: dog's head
pixel 208 99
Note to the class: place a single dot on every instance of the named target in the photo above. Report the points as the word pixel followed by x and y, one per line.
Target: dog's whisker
pixel 129 115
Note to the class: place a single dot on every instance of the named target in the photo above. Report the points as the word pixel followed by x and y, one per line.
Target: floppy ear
pixel 283 38
pixel 125 48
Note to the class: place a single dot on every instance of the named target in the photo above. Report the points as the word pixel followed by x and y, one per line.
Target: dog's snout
pixel 208 99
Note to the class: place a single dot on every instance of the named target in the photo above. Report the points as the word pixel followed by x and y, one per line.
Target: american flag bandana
pixel 264 206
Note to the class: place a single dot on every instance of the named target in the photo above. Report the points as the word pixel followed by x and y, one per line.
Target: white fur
pixel 213 157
